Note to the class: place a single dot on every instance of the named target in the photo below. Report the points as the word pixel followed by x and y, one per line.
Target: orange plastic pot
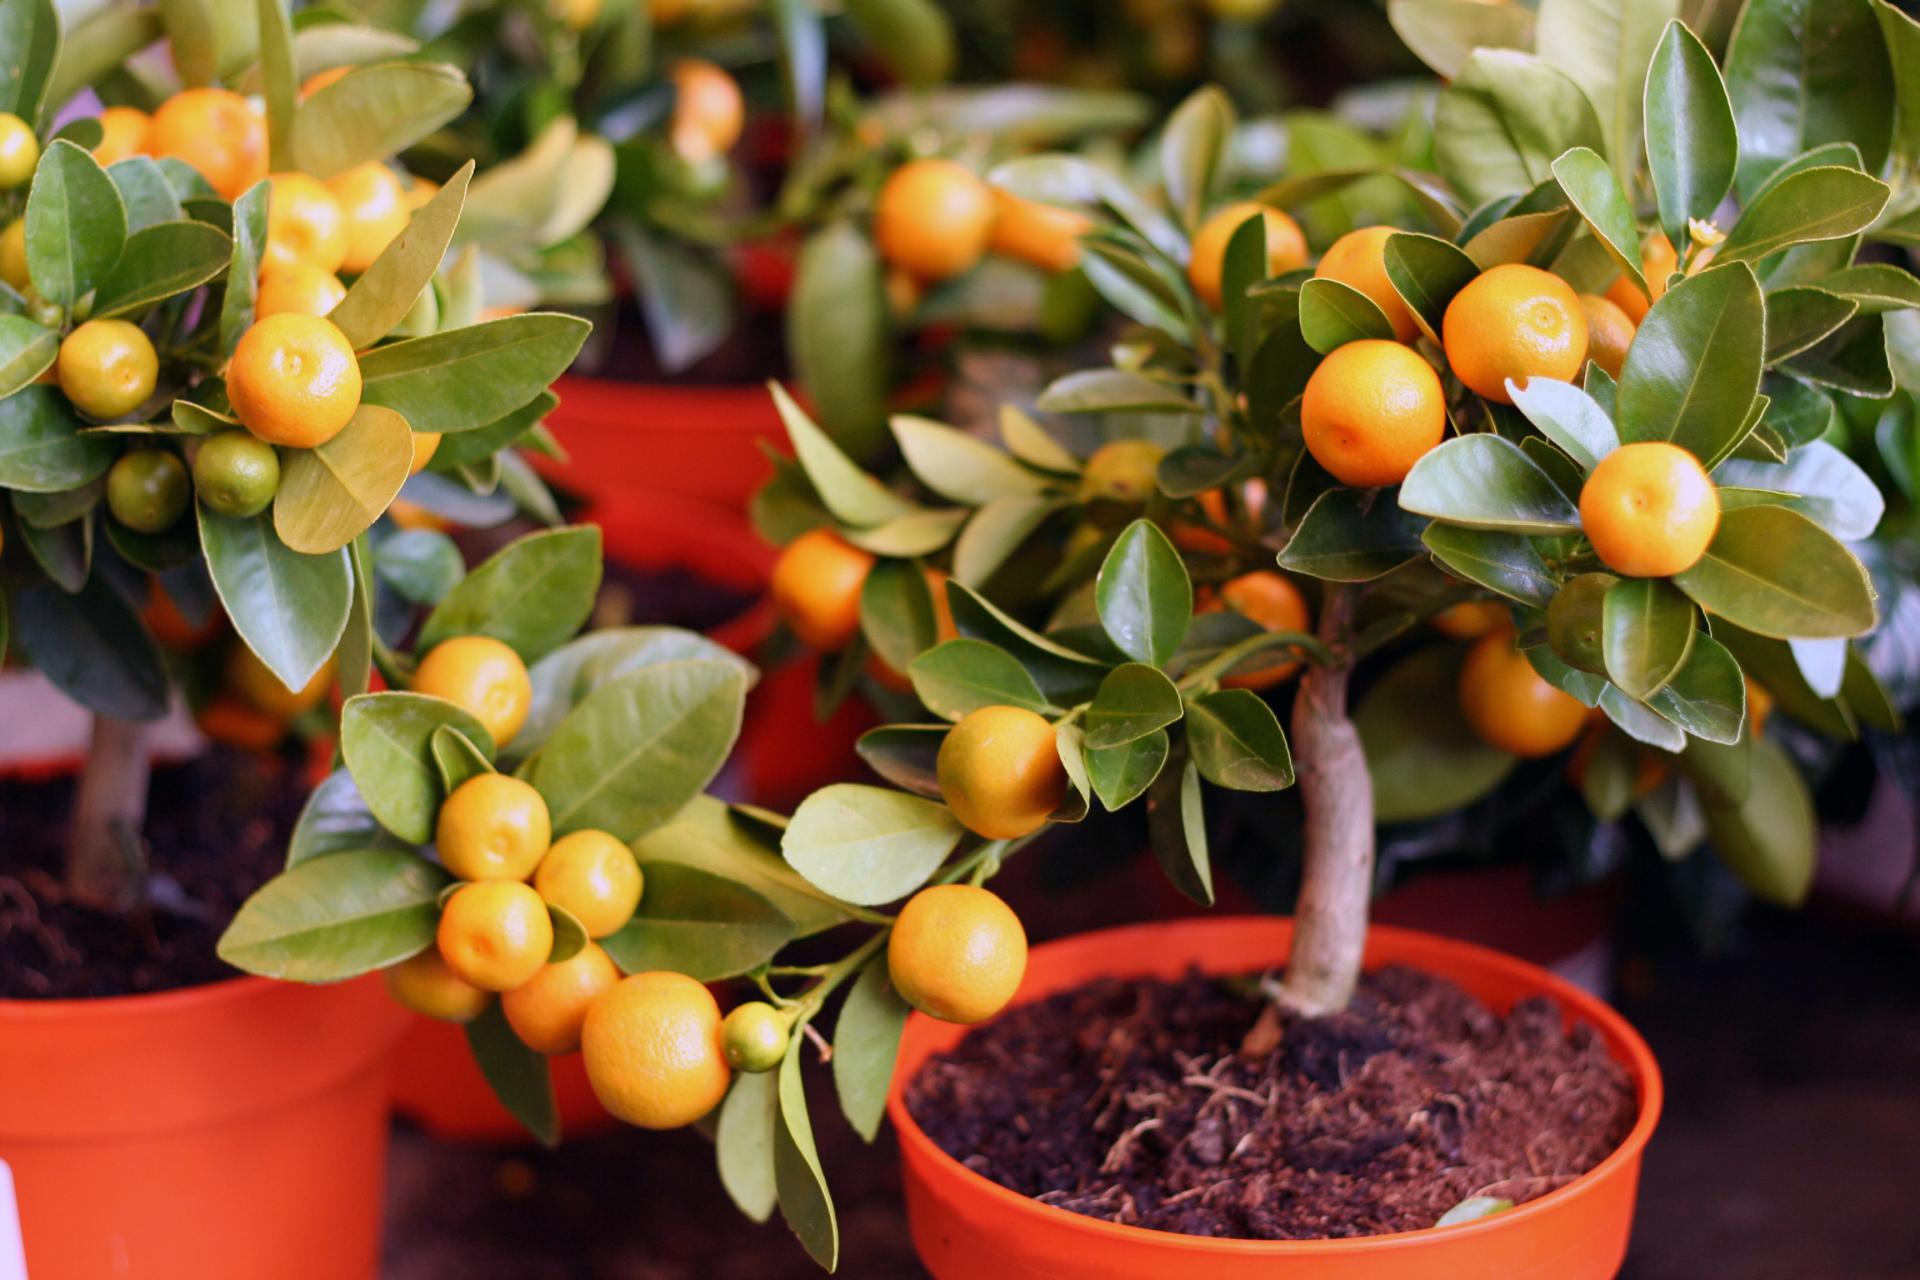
pixel 224 1132
pixel 437 1085
pixel 966 1226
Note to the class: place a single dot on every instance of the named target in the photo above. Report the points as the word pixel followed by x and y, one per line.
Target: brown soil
pixel 217 829
pixel 1134 1102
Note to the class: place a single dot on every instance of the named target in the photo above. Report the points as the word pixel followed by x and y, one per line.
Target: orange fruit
pixel 13 256
pixel 933 219
pixel 1286 247
pixel 481 676
pixel 254 681
pixel 1358 260
pixel 1649 509
pixel 1514 322
pixel 427 986
pixel 1041 235
pixel 217 132
pixel 549 1009
pixel 1371 410
pixel 425 445
pixel 1198 538
pixel 495 934
pixel 232 721
pixel 653 1052
pixel 1759 707
pixel 1609 333
pixel 957 953
pixel 575 15
pixel 304 223
pixel 294 380
pixel 708 112
pixel 1657 262
pixel 19 151
pixel 124 133
pixel 1271 600
pixel 374 205
pixel 816 588
pixel 493 827
pixel 755 1036
pixel 594 876
pixel 1000 771
pixel 420 191
pixel 1509 705
pixel 1471 619
pixel 297 287
pixel 172 627
pixel 107 368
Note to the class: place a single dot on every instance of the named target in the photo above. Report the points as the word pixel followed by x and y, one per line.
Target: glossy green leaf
pixel 1597 194
pixel 1144 597
pixel 1443 33
pixel 64 552
pixel 1061 672
pixel 1694 366
pixel 1422 757
pixel 334 819
pixel 995 532
pixel 1426 272
pixel 743 1143
pixel 695 922
pixel 518 1076
pixel 1353 535
pixel 457 758
pixel 1830 487
pixel 919 533
pixel 958 466
pixel 1606 46
pixel 331 494
pixel 866 1040
pixel 380 299
pixel 26 351
pixel 1769 840
pixel 1508 563
pixel 1177 831
pixel 29 47
pixel 907 755
pixel 869 845
pixel 92 646
pixel 804 1200
pixel 1110 391
pixel 149 198
pixel 1569 417
pixel 1825 203
pixel 243 271
pixel 1120 775
pixel 337 916
pixel 289 608
pixel 76 224
pixel 840 338
pixel 1504 120
pixel 1486 482
pixel 707 835
pixel 1707 695
pixel 468 378
pixel 1902 35
pixel 1333 314
pixel 1803 74
pixel 568 674
pixel 386 740
pixel 1193 145
pixel 852 495
pixel 532 595
pixel 1777 573
pixel 1237 742
pixel 374 112
pixel 965 674
pixel 41 450
pixel 1801 317
pixel 1646 634
pixel 159 263
pixel 1134 700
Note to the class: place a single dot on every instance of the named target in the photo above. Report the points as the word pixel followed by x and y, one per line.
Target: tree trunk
pixel 1330 922
pixel 106 856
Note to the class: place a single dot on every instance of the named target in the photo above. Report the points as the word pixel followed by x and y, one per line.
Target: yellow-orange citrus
pixel 1122 471
pixel 816 588
pixel 297 287
pixel 375 207
pixel 495 934
pixel 107 368
pixel 755 1036
pixel 123 134
pixel 13 256
pixel 1471 619
pixel 217 132
pixel 483 677
pixel 708 112
pixel 594 876
pixel 1759 707
pixel 1358 260
pixel 1514 322
pixel 294 380
pixel 1609 333
pixel 254 681
pixel 1000 771
pixel 427 986
pixel 1649 509
pixel 1658 261
pixel 304 223
pixel 493 827
pixel 1271 600
pixel 548 1010
pixel 425 445
pixel 653 1052
pixel 1042 235
pixel 1371 410
pixel 957 953
pixel 933 218
pixel 1286 246
pixel 19 151
pixel 1509 705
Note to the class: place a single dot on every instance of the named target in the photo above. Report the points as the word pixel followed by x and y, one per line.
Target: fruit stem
pixel 106 857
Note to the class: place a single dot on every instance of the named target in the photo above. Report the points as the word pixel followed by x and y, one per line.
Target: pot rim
pixel 1634 1055
pixel 139 1004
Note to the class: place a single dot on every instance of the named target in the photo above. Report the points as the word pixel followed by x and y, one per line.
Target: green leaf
pixel 960 467
pixel 1876 286
pixel 1333 314
pixel 568 674
pixel 386 740
pixel 839 336
pixel 1442 33
pixel 852 495
pixel 1596 193
pixel 467 378
pixel 1707 695
pixel 457 759
pixel 1777 573
pixel 896 612
pixel 919 533
pixel 243 271
pixel 964 675
pixel 334 819
pixel 280 81
pixel 380 299
pixel 907 755
pixel 1144 597
pixel 1800 318
pixel 1801 75
pixel 76 224
pixel 338 916
pixel 1177 830
pixel 1134 700
pixel 869 845
pixel 708 836
pixel 29 47
pixel 1769 839
pixel 1694 366
pixel 913 37
pixel 1109 391
pixel 1353 535
pixel 1508 563
pixel 1422 757
pixel 1193 146
pixel 1487 482
pixel 291 609
pixel 804 1200
pixel 1569 417
pixel 1692 146
pixel 866 1040
pixel 374 112
pixel 1237 742
pixel 421 564
pixel 1829 486
pixel 1120 775
pixel 1902 35
pixel 995 532
pixel 695 922
pixel 331 494
pixel 64 552
pixel 159 263
pixel 1426 272
pixel 1646 634
pixel 743 1144
pixel 639 747
pixel 41 448
pixel 26 351
pixel 518 1076
pixel 148 196
pixel 1504 120
pixel 531 595
pixel 1853 358
pixel 1825 203
pixel 1061 672
pixel 93 648
pixel 1028 441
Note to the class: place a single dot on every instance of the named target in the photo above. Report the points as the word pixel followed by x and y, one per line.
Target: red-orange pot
pixel 627 438
pixel 224 1132
pixel 966 1226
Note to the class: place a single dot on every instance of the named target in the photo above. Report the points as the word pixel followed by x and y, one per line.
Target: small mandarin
pixel 708 112
pixel 1122 471
pixel 1649 509
pixel 1371 410
pixel 294 380
pixel 653 1050
pixel 123 134
pixel 427 986
pixel 1609 333
pixel 19 151
pixel 483 677
pixel 148 489
pixel 374 205
pixel 594 876
pixel 1358 260
pixel 235 474
pixel 1509 705
pixel 1286 247
pixel 297 287
pixel 1658 262
pixel 495 935
pixel 816 588
pixel 1000 771
pixel 261 689
pixel 957 953
pixel 107 368
pixel 755 1035
pixel 13 256
pixel 493 827
pixel 425 445
pixel 304 224
pixel 933 219
pixel 549 1009
pixel 1514 322
pixel 217 132
pixel 1271 600
pixel 1471 619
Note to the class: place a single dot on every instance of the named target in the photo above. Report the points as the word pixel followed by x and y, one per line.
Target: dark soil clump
pixel 1134 1102
pixel 217 829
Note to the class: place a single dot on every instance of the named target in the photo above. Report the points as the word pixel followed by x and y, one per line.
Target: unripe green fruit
pixel 755 1037
pixel 236 474
pixel 147 490
pixel 1574 622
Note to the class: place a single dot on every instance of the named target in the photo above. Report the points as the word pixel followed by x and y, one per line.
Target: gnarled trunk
pixel 106 859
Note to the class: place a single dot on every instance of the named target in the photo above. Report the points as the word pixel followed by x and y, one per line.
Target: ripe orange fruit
pixel 1271 600
pixel 957 953
pixel 374 205
pixel 755 1036
pixel 1759 707
pixel 228 719
pixel 1509 705
pixel 13 256
pixel 594 876
pixel 172 627
pixel 1609 333
pixel 1471 619
pixel 217 132
pixel 653 1052
pixel 481 676
pixel 1658 260
pixel 708 113
pixel 1358 260
pixel 254 681
pixel 1042 235
pixel 549 1009
pixel 933 219
pixel 123 134
pixel 1516 322
pixel 1286 246
pixel 107 368
pixel 294 380
pixel 425 445
pixel 816 588
pixel 495 934
pixel 1370 411
pixel 1649 509
pixel 493 827
pixel 297 287
pixel 1000 771
pixel 427 986
pixel 1199 538
pixel 1122 471
pixel 19 151
pixel 304 223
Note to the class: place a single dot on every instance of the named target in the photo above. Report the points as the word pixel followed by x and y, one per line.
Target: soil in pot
pixel 1161 1104
pixel 217 829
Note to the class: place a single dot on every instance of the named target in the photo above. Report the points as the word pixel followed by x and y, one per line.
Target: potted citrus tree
pixel 220 371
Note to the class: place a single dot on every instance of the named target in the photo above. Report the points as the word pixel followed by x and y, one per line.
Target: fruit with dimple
pixel 653 1051
pixel 592 875
pixel 297 287
pixel 1371 410
pixel 294 380
pixel 427 986
pixel 217 132
pixel 483 677
pixel 493 827
pixel 548 1010
pixel 373 204
pixel 1270 599
pixel 1122 471
pixel 933 219
pixel 708 112
pixel 1286 247
pixel 495 934
pixel 1649 509
pixel 1358 260
pixel 1609 333
pixel 236 474
pixel 124 133
pixel 304 223
pixel 816 588
pixel 19 151
pixel 107 368
pixel 957 953
pixel 1043 235
pixel 755 1036
pixel 1575 619
pixel 1514 322
pixel 148 489
pixel 1510 706
pixel 1000 771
